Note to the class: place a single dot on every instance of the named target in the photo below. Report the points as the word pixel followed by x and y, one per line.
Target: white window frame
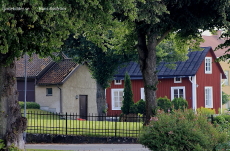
pixel 175 80
pixel 47 92
pixel 208 96
pixel 208 62
pixel 113 100
pixel 143 94
pixel 226 82
pixel 117 82
pixel 172 91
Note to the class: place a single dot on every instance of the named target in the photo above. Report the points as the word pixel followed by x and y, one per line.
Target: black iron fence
pixel 90 125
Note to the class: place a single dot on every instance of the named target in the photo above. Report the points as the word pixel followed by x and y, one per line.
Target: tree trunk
pixel 12 124
pixel 147 59
pixel 101 102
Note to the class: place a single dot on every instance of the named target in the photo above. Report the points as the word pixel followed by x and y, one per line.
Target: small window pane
pixel 208 65
pixel 49 91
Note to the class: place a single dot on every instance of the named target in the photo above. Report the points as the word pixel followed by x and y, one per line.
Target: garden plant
pixel 182 130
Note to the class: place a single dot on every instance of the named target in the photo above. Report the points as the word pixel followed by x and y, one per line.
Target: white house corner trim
pixel 192 79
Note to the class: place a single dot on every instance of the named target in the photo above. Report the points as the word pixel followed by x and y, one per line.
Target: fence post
pixel 212 120
pixel 116 127
pixel 66 122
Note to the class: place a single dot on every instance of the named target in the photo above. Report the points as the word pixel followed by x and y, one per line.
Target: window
pixel 49 92
pixel 177 80
pixel 117 98
pixel 226 80
pixel 177 92
pixel 142 93
pixel 208 65
pixel 117 82
pixel 208 97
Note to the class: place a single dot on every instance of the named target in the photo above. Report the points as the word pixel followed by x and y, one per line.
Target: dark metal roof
pixel 183 68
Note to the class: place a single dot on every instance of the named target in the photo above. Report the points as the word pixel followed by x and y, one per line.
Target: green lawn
pixel 49 123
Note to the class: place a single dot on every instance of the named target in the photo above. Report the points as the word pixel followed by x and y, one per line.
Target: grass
pixel 48 123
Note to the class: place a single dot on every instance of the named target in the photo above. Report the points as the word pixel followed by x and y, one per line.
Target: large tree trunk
pixel 147 59
pixel 12 124
pixel 101 102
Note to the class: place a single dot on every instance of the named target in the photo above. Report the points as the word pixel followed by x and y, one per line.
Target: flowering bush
pixel 181 130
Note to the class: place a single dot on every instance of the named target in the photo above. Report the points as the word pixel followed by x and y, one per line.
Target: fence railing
pixel 90 125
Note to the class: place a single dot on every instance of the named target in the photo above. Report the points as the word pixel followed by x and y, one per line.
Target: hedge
pixel 29 105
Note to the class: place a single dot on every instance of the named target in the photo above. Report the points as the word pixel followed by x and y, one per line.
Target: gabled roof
pixel 58 73
pixel 214 41
pixel 183 69
pixel 35 65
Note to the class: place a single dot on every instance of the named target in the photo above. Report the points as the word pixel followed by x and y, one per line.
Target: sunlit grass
pixel 43 122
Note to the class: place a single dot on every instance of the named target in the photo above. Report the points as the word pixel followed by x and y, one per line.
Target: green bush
pixel 226 117
pixel 164 104
pixel 181 130
pixel 138 107
pixel 179 103
pixel 222 123
pixel 206 111
pixel 29 105
pixel 133 109
pixel 141 107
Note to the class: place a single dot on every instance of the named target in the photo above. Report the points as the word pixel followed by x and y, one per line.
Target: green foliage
pixel 2 144
pixel 37 29
pixel 164 104
pixel 179 103
pixel 133 109
pixel 181 130
pixel 128 95
pixel 225 98
pixel 223 121
pixel 223 146
pixel 141 107
pixel 226 117
pixel 10 148
pixel 103 64
pixel 206 111
pixel 29 105
pixel 138 107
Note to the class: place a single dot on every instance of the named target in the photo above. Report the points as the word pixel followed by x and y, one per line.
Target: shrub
pixel 128 96
pixel 133 109
pixel 206 111
pixel 222 123
pixel 226 117
pixel 181 130
pixel 225 97
pixel 179 103
pixel 29 105
pixel 164 103
pixel 141 107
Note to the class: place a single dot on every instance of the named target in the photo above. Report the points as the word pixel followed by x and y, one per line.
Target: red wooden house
pixel 198 80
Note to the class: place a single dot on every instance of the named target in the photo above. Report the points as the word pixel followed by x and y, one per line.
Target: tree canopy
pixel 103 64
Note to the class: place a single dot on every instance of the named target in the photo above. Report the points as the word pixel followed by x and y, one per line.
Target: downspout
pixel 60 98
pixel 221 99
pixel 194 94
